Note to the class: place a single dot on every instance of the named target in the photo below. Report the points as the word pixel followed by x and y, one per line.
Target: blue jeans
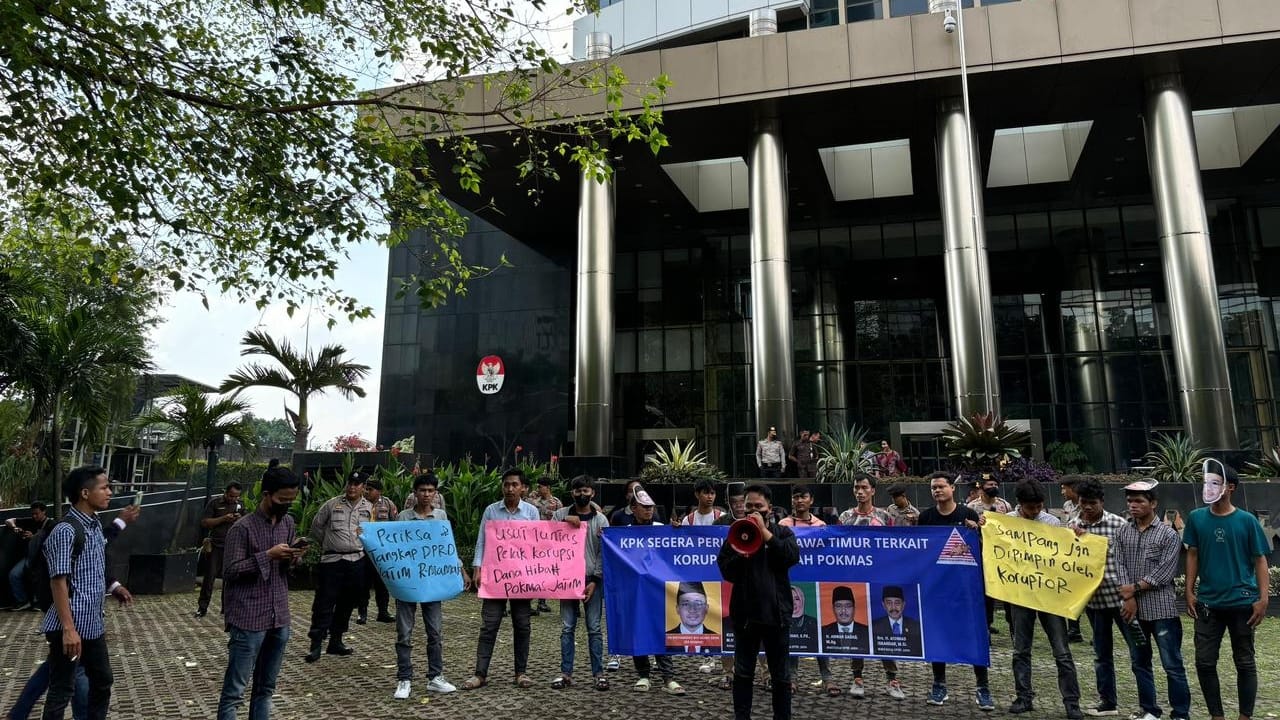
pixel 38 684
pixel 257 654
pixel 1104 664
pixel 1167 634
pixel 18 584
pixel 595 640
pixel 431 619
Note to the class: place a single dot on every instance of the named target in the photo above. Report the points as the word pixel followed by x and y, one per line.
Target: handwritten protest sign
pixel 417 559
pixel 1040 566
pixel 533 560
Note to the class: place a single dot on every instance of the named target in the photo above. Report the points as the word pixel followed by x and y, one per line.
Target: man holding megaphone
pixel 755 558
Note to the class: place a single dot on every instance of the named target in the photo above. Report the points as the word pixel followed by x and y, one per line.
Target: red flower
pixel 555 459
pixel 519 448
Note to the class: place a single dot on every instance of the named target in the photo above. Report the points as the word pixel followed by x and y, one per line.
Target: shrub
pixel 678 463
pixel 843 454
pixel 1175 458
pixel 1067 458
pixel 983 441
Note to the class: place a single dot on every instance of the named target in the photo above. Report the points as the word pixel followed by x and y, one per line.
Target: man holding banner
pixel 510 507
pixel 760 605
pixel 425 489
pixel 1103 609
pixel 582 513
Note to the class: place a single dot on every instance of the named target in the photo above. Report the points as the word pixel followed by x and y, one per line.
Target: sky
pixel 204 345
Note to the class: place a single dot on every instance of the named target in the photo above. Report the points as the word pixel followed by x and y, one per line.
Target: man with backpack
pixel 76 555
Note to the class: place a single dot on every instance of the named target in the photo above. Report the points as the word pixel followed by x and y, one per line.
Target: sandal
pixel 726 682
pixel 474 682
pixel 642 685
pixel 834 691
pixel 559 683
pixel 602 683
pixel 673 688
pixel 523 681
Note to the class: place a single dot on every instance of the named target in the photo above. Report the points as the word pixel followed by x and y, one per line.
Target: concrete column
pixel 969 315
pixel 1199 350
pixel 593 328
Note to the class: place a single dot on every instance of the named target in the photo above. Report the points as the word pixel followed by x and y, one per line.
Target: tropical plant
pixel 189 419
pixel 1174 458
pixel 983 441
pixel 677 463
pixel 351 442
pixel 468 489
pixel 844 452
pixel 1067 458
pixel 1268 466
pixel 302 374
pixel 1025 468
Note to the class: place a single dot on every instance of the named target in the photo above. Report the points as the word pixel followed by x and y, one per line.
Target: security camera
pixel 949 22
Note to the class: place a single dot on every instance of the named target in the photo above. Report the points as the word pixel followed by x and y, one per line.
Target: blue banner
pixel 912 593
pixel 417 559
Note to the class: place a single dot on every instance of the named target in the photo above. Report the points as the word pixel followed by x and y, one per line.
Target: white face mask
pixel 1215 485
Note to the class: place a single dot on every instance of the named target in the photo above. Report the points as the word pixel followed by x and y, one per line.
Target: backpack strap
pixel 77 547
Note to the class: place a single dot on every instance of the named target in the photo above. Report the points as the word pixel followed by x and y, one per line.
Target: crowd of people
pixel 774 459
pixel 1226 591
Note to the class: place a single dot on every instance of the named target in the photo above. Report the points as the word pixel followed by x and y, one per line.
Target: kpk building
pixel 1091 247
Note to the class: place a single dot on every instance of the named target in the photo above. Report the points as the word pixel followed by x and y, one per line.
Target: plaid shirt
pixel 86 581
pixel 1151 555
pixel 256 596
pixel 1108 526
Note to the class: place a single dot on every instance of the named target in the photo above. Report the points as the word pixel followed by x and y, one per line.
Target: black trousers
pixel 373 581
pixel 338 589
pixel 211 573
pixel 748 638
pixel 62 673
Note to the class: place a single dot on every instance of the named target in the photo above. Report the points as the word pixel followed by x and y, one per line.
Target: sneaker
pixel 1074 713
pixel 982 696
pixel 937 694
pixel 895 690
pixel 439 685
pixel 1101 709
pixel 1020 706
pixel 613 664
pixel 403 688
pixel 1142 715
pixel 857 690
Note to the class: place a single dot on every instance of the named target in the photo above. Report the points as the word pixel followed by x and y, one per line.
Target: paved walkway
pixel 169 665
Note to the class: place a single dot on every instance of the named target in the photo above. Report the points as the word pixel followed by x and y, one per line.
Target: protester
pixel 510 507
pixel 1103 609
pixel 1031 499
pixel 425 489
pixel 621 516
pixel 340 574
pixel 259 550
pixel 1070 513
pixel 705 512
pixel 591 607
pixel 866 513
pixel 900 508
pixel 219 514
pixel 760 607
pixel 947 513
pixel 383 510
pixel 1149 550
pixel 801 509
pixel 770 455
pixel 735 493
pixel 642 513
pixel 1227 554
pixel 547 505
pixel 75 552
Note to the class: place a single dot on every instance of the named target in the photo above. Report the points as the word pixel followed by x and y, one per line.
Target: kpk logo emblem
pixel 489 374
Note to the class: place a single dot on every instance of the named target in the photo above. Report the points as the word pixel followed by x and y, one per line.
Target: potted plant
pixel 844 452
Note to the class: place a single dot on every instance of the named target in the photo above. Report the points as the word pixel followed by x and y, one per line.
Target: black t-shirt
pixel 958 517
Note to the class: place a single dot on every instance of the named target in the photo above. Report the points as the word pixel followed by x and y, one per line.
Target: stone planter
pixel 162 574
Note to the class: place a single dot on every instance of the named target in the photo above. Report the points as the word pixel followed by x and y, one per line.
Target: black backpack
pixel 38 567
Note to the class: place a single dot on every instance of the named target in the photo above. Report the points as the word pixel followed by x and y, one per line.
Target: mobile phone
pixel 301 543
pixel 1169 515
pixel 137 498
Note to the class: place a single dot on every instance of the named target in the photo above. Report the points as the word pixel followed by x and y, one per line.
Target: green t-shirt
pixel 1227 547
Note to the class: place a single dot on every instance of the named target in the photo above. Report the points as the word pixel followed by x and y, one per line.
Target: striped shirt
pixel 1151 556
pixel 499 511
pixel 1108 526
pixel 87 578
pixel 256 594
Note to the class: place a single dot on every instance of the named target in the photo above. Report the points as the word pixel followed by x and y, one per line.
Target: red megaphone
pixel 744 537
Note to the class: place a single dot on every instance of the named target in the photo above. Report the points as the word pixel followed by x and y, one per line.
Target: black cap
pixel 842 592
pixel 690 586
pixel 892 591
pixel 357 478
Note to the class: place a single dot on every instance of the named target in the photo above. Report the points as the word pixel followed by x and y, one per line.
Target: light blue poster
pixel 417 559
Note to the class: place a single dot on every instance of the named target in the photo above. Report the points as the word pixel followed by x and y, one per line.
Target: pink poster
pixel 543 560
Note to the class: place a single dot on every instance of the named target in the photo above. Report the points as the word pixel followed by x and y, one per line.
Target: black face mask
pixel 991 492
pixel 278 510
pixel 582 501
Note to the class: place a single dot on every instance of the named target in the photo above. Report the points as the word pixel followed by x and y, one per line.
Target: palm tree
pixel 76 363
pixel 191 420
pixel 301 374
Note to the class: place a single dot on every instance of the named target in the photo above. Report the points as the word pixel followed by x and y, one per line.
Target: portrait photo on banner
pixel 804 617
pixel 695 615
pixel 844 611
pixel 895 624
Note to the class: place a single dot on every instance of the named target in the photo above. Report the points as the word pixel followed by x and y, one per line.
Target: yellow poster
pixel 1041 566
